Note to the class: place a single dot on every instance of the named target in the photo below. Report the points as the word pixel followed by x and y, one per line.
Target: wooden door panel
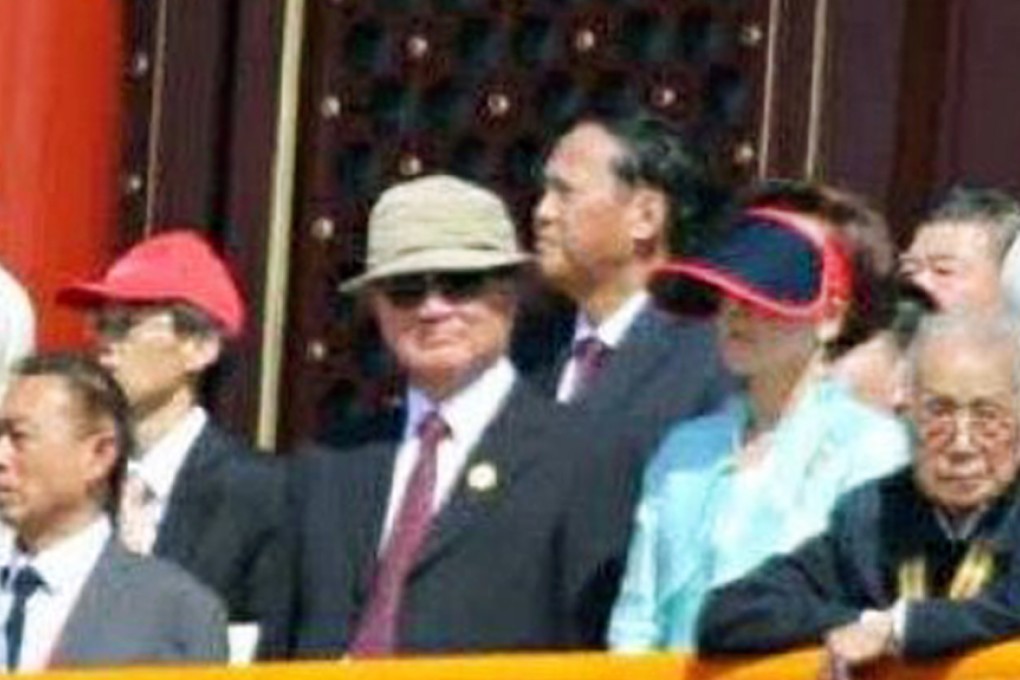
pixel 480 89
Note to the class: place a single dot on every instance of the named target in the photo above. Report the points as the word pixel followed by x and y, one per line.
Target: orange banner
pixel 994 663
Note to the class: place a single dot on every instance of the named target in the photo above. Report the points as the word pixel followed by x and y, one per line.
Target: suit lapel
pixel 547 378
pixel 81 639
pixel 640 351
pixel 365 517
pixel 902 506
pixel 193 499
pixel 491 470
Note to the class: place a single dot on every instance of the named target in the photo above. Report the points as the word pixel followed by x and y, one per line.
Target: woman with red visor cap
pixel 727 490
pixel 883 310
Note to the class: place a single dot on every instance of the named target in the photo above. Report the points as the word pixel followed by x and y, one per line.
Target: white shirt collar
pixel 162 462
pixel 470 409
pixel 66 564
pixel 615 326
pixel 467 413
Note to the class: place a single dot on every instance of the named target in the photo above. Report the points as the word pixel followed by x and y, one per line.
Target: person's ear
pixel 836 308
pixel 102 458
pixel 899 392
pixel 829 328
pixel 202 351
pixel 649 212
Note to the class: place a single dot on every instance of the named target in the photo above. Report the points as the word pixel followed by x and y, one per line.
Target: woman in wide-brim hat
pixel 758 476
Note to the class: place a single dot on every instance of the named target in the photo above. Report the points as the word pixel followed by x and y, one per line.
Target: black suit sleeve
pixel 789 601
pixel 280 605
pixel 259 492
pixel 597 532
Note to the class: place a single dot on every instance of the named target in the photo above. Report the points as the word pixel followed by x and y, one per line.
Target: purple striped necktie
pixel 590 356
pixel 376 633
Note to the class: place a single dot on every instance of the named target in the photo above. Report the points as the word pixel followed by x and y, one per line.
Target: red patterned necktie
pixel 376 633
pixel 590 355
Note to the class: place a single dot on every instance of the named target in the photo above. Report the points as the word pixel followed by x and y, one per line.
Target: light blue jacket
pixel 699 524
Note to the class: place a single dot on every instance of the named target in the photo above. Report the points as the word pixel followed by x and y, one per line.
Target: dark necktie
pixel 590 355
pixel 26 582
pixel 376 633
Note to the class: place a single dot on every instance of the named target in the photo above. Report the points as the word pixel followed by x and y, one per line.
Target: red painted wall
pixel 60 65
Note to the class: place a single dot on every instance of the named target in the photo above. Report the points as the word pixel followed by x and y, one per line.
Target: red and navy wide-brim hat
pixel 782 263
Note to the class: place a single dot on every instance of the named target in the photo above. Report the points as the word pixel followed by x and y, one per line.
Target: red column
pixel 60 65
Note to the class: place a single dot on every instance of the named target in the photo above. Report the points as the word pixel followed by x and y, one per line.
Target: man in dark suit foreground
pixel 617 190
pixel 485 520
pixel 163 313
pixel 71 595
pixel 921 563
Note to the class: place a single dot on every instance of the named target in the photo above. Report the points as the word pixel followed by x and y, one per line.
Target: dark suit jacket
pixel 794 599
pixel 222 518
pixel 135 610
pixel 665 370
pixel 531 563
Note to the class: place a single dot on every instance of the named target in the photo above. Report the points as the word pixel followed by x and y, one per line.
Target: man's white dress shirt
pixel 467 413
pixel 64 567
pixel 161 463
pixel 610 332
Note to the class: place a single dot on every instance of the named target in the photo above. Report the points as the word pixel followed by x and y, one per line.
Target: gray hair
pixel 993 211
pixel 984 330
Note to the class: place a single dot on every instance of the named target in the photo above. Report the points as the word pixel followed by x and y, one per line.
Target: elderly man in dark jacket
pixel 924 562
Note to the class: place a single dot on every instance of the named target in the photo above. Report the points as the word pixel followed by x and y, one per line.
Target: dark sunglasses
pixel 409 291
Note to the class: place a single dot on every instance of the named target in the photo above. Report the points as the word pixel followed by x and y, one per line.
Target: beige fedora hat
pixel 437 223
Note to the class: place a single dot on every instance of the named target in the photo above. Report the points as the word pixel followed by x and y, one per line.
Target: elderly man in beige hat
pixel 485 520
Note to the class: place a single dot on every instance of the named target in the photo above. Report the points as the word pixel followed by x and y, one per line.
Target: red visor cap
pixel 782 263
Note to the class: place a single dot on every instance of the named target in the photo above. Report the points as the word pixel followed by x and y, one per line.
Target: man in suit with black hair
pixel 621 192
pixel 195 494
pixel 71 595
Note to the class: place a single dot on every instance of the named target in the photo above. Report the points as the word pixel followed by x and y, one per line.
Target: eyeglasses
pixel 941 418
pixel 407 292
pixel 117 324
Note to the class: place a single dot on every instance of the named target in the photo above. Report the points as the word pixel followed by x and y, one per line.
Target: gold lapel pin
pixel 482 476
